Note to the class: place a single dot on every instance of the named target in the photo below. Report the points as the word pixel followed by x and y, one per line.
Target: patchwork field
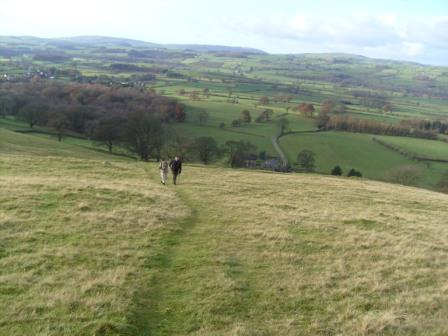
pixel 360 151
pixel 223 82
pixel 95 245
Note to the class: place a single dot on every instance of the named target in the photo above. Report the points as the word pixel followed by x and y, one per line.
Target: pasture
pixel 95 245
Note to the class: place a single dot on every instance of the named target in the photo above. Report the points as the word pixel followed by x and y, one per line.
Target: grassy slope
pixel 104 249
pixel 76 233
pixel 307 78
pixel 44 145
pixel 327 256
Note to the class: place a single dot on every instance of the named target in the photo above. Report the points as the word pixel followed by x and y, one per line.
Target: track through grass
pixel 229 270
pixel 94 247
pixel 152 312
pixel 191 257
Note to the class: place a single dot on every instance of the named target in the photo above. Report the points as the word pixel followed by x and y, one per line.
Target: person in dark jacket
pixel 176 168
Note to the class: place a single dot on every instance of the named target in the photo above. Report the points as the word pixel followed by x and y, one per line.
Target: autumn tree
pixel 327 106
pixel 306 109
pixel 387 108
pixel 180 114
pixel 245 117
pixel 264 100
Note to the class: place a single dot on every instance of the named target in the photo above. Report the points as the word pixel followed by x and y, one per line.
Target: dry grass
pixel 312 255
pixel 90 247
pixel 74 236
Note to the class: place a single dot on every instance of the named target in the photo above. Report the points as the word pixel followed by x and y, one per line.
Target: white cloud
pixel 300 22
pixel 387 35
pixel 413 49
pixel 388 19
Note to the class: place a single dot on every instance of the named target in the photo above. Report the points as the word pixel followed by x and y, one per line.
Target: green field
pixel 259 134
pixel 237 80
pixel 429 149
pixel 93 245
pixel 359 151
pixel 348 150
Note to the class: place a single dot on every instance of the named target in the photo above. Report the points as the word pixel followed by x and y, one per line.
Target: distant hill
pixel 344 58
pixel 106 41
pixel 216 48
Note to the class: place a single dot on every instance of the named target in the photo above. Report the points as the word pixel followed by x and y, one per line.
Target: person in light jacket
pixel 163 167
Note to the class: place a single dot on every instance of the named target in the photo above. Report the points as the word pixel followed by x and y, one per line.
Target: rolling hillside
pixel 224 81
pixel 92 245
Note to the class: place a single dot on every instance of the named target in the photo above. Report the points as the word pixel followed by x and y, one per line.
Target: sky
pixel 411 30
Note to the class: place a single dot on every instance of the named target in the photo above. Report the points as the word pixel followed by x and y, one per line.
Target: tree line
pixel 350 124
pixel 135 118
pixel 439 125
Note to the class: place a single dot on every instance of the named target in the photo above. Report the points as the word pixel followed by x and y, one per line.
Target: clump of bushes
pixel 336 171
pixel 354 173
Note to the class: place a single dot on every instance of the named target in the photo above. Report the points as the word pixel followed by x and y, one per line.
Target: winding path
pixel 194 262
pixel 279 149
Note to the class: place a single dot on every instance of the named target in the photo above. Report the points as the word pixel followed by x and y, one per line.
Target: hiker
pixel 176 168
pixel 163 167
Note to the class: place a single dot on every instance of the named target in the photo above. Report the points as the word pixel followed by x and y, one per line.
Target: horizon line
pixel 227 46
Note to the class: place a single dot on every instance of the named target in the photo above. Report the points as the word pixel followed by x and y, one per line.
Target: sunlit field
pixel 101 247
